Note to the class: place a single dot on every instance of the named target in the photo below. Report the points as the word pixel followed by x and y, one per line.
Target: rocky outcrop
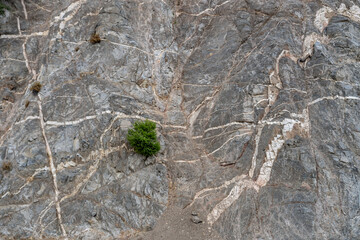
pixel 256 104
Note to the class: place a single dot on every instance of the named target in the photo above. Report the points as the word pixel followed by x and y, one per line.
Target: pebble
pixel 196 219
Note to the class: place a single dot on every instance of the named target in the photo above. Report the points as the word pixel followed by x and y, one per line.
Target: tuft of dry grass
pixel 6 166
pixel 27 103
pixel 95 38
pixel 36 87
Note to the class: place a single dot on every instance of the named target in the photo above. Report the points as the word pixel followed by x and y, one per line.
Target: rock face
pixel 256 103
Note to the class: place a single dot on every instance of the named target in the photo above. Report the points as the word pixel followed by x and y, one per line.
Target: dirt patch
pixel 176 224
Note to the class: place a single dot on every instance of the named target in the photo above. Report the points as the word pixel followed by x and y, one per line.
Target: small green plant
pixel 2 8
pixel 143 138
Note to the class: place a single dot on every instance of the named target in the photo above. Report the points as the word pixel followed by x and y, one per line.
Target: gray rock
pixel 196 219
pixel 256 105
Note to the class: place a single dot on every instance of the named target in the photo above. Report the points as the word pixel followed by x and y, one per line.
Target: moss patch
pixel 2 8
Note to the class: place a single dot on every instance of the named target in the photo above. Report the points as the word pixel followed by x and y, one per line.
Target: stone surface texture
pixel 257 105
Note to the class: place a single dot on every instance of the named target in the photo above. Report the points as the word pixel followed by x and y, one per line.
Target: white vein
pixel 52 168
pixel 24 7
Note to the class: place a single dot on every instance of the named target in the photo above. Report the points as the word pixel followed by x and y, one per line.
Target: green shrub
pixel 2 8
pixel 143 138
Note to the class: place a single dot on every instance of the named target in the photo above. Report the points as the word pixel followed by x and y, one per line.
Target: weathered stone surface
pixel 256 103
